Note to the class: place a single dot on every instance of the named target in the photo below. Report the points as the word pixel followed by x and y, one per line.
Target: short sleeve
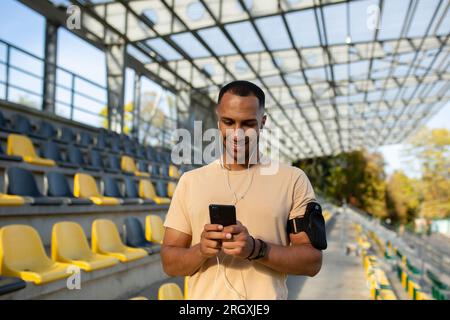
pixel 178 217
pixel 303 193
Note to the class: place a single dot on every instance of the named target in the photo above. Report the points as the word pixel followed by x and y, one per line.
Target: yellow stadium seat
pixel 171 188
pixel 186 287
pixel 127 164
pixel 174 172
pixel 69 245
pixel 106 240
pixel 147 191
pixel 170 291
pixel 20 145
pixel 22 255
pixel 84 186
pixel 139 298
pixel 11 200
pixel 154 228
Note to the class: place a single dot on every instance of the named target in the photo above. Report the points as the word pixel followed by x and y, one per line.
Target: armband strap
pixel 313 224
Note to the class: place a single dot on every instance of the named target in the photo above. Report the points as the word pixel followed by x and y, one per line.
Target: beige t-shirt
pixel 271 200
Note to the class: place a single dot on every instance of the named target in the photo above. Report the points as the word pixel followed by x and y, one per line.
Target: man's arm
pixel 179 259
pixel 300 258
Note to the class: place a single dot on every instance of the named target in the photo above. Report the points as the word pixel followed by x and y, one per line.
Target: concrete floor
pixel 341 277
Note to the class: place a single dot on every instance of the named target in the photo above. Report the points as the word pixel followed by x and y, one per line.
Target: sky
pixel 24 28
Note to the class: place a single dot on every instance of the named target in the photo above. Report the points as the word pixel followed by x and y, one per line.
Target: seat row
pixel 20 147
pixel 23 255
pixel 105 140
pixel 22 189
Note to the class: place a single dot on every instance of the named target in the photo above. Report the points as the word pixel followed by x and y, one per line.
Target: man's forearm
pixel 301 259
pixel 181 261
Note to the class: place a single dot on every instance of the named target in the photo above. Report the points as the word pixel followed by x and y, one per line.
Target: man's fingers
pixel 234 229
pixel 212 244
pixel 213 227
pixel 217 235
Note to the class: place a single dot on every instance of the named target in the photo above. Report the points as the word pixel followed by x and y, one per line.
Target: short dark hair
pixel 244 89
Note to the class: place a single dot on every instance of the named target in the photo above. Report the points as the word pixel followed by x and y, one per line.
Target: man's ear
pixel 263 121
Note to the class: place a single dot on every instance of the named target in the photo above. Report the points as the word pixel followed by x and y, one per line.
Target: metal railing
pixel 74 81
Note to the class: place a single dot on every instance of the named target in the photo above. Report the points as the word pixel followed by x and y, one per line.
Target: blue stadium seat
pixel 114 164
pixel 164 170
pixel 140 152
pixel 102 140
pixel 11 284
pixel 75 156
pixel 4 125
pixel 67 135
pixel 51 150
pixel 112 190
pixel 115 143
pixel 21 182
pixel 58 186
pixel 23 126
pixel 150 154
pixel 155 170
pixel 86 139
pixel 131 190
pixel 47 130
pixel 161 189
pixel 135 236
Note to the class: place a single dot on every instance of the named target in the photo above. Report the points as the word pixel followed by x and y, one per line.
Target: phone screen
pixel 224 215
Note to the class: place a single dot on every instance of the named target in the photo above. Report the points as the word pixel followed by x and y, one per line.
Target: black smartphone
pixel 222 214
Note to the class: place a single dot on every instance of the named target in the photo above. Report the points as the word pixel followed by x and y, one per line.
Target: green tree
pixel 402 197
pixel 431 148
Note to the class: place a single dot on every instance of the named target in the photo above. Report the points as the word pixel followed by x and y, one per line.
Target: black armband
pixel 313 224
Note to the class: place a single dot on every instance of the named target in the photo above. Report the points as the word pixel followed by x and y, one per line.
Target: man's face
pixel 240 120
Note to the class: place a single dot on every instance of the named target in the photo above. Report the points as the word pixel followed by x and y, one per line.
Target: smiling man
pixel 279 229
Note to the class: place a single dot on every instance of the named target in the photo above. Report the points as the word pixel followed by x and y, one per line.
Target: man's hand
pixel 241 244
pixel 211 240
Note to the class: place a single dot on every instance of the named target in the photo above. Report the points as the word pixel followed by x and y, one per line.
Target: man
pixel 248 260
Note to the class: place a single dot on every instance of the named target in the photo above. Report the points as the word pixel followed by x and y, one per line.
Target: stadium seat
pixel 173 172
pixel 21 182
pixel 102 142
pixel 161 189
pixel 22 125
pixel 69 245
pixel 19 145
pixel 140 152
pixel 131 191
pixel 114 164
pixel 135 236
pixel 115 143
pixel 106 240
pixel 112 190
pixel 4 126
pixel 128 165
pixel 143 165
pixel 11 284
pixel 147 191
pixel 86 139
pixel 50 150
pixel 84 186
pixel 67 135
pixel 4 156
pixel 171 189
pixel 139 298
pixel 155 170
pixel 47 130
pixel 170 291
pixel 75 157
pixel 58 186
pixel 154 229
pixel 150 154
pixel 97 161
pixel 11 200
pixel 22 255
pixel 164 170
pixel 129 148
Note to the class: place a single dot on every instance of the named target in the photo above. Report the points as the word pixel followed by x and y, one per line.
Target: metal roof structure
pixel 338 75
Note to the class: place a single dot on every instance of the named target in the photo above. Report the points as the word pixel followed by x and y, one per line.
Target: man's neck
pixel 235 166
